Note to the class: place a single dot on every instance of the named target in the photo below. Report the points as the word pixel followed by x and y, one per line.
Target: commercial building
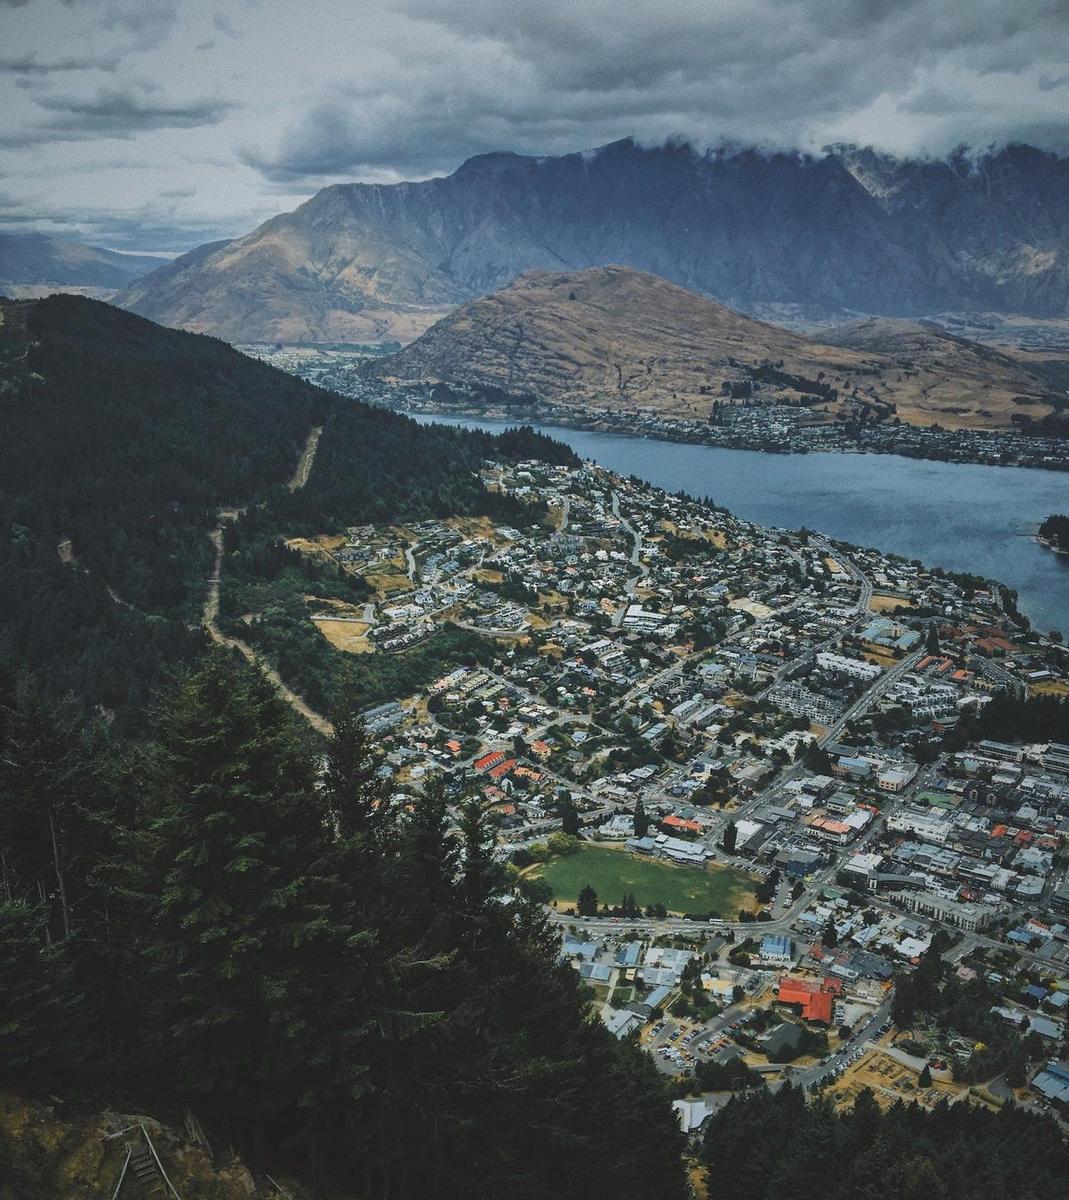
pixel 968 917
pixel 777 950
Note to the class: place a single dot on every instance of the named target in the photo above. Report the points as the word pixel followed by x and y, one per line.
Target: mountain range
pixel 620 339
pixel 846 232
pixel 33 264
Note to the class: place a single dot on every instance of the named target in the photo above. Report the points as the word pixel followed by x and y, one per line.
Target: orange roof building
pixel 679 825
pixel 502 768
pixel 816 999
pixel 489 760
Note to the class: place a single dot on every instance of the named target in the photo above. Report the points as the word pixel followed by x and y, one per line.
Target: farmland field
pixel 615 873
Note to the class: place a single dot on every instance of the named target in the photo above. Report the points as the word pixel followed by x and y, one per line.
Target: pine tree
pixel 642 821
pixel 226 898
pixel 904 1007
pixel 428 858
pixel 44 1039
pixel 1017 1067
pixel 731 834
pixel 481 877
pixel 49 777
pixel 569 817
pixel 357 799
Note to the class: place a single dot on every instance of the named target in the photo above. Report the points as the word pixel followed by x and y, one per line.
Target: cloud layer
pixel 255 103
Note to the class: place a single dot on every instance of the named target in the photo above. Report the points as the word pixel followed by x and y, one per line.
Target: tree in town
pixel 569 818
pixel 587 904
pixel 766 889
pixel 904 1007
pixel 730 837
pixel 1017 1066
pixel 830 935
pixel 642 820
pixel 816 759
pixel 925 1079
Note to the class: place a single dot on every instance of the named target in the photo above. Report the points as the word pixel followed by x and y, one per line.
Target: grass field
pixel 349 636
pixel 615 873
pixel 883 604
pixel 1053 687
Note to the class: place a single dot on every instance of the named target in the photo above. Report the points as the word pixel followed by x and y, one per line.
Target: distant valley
pixel 33 265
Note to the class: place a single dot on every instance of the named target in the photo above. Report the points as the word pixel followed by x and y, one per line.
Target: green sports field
pixel 615 873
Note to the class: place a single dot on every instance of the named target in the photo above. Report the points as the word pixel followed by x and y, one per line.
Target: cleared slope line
pixel 210 616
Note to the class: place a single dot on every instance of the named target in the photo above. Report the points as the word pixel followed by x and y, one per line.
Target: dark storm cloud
pixel 156 226
pixel 390 89
pixel 32 64
pixel 148 22
pixel 465 76
pixel 116 112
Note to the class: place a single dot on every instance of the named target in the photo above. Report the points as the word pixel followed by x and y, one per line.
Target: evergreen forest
pixel 123 440
pixel 333 983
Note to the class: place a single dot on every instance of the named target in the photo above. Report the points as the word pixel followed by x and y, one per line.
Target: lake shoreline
pixel 962 517
pixel 988 448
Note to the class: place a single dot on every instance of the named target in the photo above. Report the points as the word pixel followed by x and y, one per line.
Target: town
pixel 761 781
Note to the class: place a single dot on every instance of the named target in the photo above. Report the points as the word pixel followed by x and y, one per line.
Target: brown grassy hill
pixel 938 376
pixel 613 337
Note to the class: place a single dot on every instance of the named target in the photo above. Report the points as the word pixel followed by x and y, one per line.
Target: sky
pixel 156 125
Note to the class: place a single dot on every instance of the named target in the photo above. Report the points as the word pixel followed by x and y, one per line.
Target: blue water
pixel 961 516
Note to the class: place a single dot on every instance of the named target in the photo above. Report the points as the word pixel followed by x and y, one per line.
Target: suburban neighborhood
pixel 748 773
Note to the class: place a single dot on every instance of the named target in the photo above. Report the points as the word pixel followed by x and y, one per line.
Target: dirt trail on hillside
pixel 210 615
pixel 304 463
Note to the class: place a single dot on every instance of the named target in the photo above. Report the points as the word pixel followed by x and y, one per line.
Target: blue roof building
pixel 777 948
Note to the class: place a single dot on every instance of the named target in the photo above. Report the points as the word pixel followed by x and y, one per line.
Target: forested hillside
pixel 333 985
pixel 121 442
pixel 765 1146
pixel 1055 532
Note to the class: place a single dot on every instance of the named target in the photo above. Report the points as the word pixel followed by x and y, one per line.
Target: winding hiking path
pixel 210 615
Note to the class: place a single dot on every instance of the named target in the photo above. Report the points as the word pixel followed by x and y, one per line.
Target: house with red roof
pixel 502 768
pixel 677 825
pixel 489 760
pixel 815 998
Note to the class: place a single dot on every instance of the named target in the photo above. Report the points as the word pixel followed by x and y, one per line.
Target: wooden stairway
pixel 144 1169
pixel 142 1173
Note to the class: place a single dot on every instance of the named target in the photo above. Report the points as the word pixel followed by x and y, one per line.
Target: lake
pixel 961 516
